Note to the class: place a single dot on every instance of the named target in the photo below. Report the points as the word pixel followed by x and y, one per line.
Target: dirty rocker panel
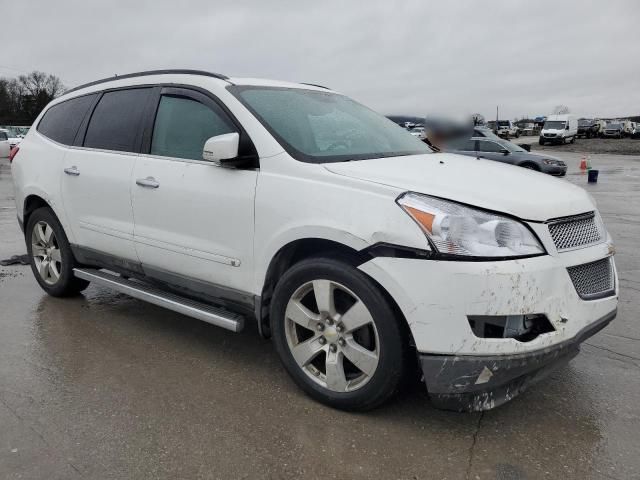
pixel 476 383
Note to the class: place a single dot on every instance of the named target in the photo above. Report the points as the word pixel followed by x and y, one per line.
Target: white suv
pixel 341 235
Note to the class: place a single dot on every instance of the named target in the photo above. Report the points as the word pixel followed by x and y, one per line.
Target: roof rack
pixel 151 72
pixel 315 85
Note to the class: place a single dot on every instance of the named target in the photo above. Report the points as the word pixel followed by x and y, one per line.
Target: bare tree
pixel 560 110
pixel 478 119
pixel 23 98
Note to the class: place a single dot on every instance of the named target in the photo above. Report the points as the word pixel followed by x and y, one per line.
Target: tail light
pixel 13 153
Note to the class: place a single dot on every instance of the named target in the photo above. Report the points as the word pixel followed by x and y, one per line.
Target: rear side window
pixel 183 126
pixel 116 119
pixel 3 136
pixel 61 122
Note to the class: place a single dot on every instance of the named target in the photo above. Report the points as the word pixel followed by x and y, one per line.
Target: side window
pixel 61 122
pixel 3 136
pixel 183 125
pixel 116 119
pixel 468 145
pixel 486 146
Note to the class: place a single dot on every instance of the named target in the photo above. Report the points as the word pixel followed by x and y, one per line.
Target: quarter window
pixel 61 122
pixel 183 126
pixel 116 120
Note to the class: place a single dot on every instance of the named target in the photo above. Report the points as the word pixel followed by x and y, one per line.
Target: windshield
pixel 553 125
pixel 585 123
pixel 614 125
pixel 503 123
pixel 321 127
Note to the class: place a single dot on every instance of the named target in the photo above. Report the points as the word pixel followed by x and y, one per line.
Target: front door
pixel 193 219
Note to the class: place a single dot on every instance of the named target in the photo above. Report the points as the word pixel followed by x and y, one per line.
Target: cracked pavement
pixel 104 386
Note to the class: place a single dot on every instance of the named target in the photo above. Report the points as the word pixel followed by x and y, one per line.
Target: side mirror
pixel 504 151
pixel 220 148
pixel 567 127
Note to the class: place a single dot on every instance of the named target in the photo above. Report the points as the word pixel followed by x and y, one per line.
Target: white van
pixel 559 129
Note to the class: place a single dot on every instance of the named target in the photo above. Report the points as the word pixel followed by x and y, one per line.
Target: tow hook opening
pixel 522 328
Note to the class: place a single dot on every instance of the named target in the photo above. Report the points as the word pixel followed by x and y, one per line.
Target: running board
pixel 207 313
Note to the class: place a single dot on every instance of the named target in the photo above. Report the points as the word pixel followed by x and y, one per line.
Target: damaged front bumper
pixel 468 383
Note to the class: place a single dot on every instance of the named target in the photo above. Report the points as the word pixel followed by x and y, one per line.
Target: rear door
pixel 97 174
pixel 194 220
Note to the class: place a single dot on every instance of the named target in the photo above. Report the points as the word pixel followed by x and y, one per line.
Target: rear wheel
pixel 337 335
pixel 50 255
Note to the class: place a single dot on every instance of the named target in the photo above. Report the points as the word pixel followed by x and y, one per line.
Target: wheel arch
pixel 303 248
pixel 31 203
pixel 528 163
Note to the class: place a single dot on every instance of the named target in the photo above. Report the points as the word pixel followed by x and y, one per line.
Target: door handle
pixel 73 171
pixel 148 182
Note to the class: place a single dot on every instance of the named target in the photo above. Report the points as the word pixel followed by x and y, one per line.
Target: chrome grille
pixel 593 280
pixel 576 232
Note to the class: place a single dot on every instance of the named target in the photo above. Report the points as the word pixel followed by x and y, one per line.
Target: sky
pixel 410 57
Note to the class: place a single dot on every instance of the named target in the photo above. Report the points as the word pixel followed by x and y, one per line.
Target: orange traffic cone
pixel 583 163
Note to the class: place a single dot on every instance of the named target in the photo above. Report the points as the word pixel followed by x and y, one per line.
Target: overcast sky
pixel 411 57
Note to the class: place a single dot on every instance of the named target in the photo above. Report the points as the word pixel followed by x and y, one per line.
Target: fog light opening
pixel 522 328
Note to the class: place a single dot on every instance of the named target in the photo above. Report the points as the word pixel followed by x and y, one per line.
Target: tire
pixel 573 139
pixel 540 141
pixel 517 134
pixel 380 346
pixel 50 255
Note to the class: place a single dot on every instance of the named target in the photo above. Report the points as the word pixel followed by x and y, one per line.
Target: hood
pixel 487 184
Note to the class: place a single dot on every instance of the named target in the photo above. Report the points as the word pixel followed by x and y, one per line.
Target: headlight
pixel 455 229
pixel 548 161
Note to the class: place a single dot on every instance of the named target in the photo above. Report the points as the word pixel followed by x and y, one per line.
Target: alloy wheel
pixel 332 335
pixel 46 252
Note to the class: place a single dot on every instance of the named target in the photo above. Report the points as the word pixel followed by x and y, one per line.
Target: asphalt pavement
pixel 103 386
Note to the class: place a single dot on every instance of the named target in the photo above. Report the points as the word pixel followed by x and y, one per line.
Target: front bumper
pixel 556 170
pixel 468 383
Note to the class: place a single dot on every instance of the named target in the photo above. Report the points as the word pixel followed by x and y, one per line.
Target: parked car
pixel 613 130
pixel 636 133
pixel 504 128
pixel 15 137
pixel 627 128
pixel 418 132
pixel 587 128
pixel 339 234
pixel 4 144
pixel 602 124
pixel 484 146
pixel 559 129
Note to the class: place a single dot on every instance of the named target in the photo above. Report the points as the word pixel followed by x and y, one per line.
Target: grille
pixel 593 280
pixel 575 232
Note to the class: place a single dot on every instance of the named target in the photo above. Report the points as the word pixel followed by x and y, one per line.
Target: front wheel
pixel 50 255
pixel 337 335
